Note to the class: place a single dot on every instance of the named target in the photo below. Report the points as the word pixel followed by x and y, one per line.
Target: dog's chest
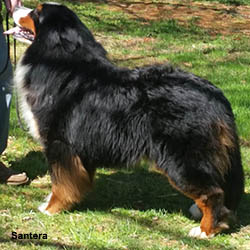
pixel 24 105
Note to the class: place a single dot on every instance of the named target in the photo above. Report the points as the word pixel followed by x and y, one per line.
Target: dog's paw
pixel 43 206
pixel 195 212
pixel 197 233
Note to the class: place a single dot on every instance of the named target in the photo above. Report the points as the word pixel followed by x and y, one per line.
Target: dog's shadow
pixel 34 164
pixel 142 190
pixel 243 210
pixel 135 188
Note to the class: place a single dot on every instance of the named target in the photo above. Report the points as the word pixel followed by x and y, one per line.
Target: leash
pixel 20 123
pixel 14 50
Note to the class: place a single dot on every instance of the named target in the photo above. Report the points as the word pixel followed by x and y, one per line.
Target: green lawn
pixel 132 208
pixel 228 2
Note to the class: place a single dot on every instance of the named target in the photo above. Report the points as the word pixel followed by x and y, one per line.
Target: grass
pixel 228 2
pixel 132 208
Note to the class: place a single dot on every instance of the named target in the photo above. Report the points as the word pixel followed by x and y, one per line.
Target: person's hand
pixel 12 4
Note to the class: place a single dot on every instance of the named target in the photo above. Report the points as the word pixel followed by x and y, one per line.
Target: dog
pixel 87 112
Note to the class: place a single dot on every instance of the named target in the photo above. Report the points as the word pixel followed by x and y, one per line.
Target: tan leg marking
pixel 69 187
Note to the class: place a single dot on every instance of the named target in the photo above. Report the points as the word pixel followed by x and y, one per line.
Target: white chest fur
pixel 27 115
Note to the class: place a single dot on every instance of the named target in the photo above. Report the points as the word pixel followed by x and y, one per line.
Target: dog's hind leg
pixel 215 214
pixel 227 160
pixel 198 180
pixel 70 181
pixel 210 201
pixel 208 170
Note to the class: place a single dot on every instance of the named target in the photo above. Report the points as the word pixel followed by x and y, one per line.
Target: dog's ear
pixel 70 40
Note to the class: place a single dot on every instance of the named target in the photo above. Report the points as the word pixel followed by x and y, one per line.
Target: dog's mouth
pixel 19 32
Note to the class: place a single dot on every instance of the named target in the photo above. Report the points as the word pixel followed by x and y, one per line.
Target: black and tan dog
pixel 87 112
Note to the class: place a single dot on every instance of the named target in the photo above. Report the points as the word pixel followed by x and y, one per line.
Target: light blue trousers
pixel 5 91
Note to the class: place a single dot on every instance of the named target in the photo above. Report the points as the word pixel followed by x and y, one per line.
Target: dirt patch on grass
pixel 129 52
pixel 214 17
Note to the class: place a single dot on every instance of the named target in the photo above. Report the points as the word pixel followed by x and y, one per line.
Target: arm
pixel 12 4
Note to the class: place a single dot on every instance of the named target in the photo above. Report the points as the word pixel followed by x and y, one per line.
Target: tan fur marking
pixel 70 186
pixel 206 203
pixel 211 203
pixel 226 143
pixel 28 23
pixel 39 7
pixel 56 205
pixel 225 135
pixel 207 219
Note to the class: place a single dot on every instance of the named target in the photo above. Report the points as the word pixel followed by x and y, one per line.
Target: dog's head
pixel 53 25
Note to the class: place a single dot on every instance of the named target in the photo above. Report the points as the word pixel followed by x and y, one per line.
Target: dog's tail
pixel 228 162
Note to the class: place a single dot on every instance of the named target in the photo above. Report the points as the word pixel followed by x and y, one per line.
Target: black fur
pixel 107 115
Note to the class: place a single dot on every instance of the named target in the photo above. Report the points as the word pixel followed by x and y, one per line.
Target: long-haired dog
pixel 87 112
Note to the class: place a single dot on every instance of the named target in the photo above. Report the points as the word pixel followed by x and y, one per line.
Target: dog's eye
pixel 35 15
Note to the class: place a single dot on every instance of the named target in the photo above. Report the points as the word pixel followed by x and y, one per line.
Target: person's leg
pixel 5 91
pixel 7 175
